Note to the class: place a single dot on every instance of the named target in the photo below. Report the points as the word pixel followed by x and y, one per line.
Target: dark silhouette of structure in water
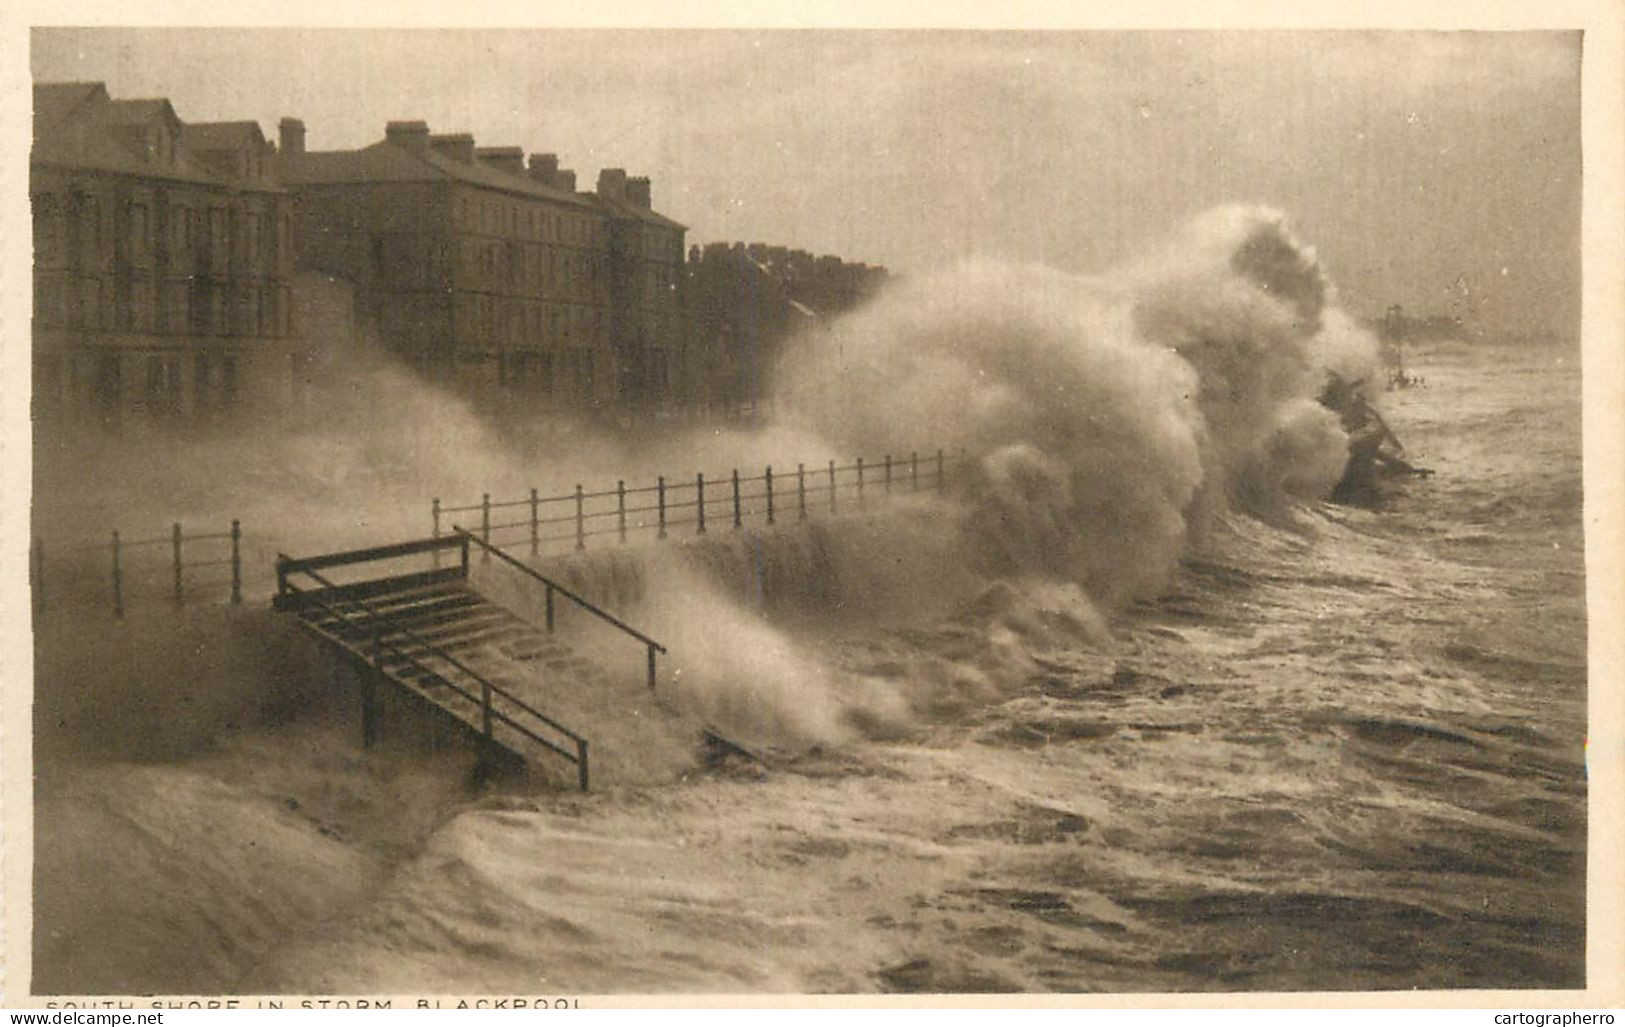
pixel 1376 455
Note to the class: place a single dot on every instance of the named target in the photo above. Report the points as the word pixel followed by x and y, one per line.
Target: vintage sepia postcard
pixel 532 513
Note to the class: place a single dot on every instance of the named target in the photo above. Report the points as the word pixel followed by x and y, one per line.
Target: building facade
pixel 185 273
pixel 486 269
pixel 163 265
pixel 745 303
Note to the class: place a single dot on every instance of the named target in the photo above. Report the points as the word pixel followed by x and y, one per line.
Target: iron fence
pixel 693 504
pixel 182 566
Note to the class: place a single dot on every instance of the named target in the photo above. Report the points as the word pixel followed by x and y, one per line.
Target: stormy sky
pixel 1436 170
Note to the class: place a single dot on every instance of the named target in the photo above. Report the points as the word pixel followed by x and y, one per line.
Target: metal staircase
pixel 433 636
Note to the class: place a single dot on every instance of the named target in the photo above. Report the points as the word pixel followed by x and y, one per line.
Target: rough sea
pixel 1343 750
pixel 1128 706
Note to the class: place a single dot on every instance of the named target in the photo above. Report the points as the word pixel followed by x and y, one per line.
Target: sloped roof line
pixel 477 173
pixel 135 111
pixel 221 135
pixel 55 101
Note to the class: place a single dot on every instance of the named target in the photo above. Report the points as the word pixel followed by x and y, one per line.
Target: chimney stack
pixel 458 146
pixel 291 133
pixel 612 184
pixel 565 180
pixel 637 191
pixel 409 135
pixel 544 167
pixel 507 159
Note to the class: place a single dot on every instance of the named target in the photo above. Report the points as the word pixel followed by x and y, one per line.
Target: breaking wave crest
pixel 1107 421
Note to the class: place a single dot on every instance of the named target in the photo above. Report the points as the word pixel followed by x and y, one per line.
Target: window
pixel 217 236
pixel 139 243
pixel 106 389
pixel 90 232
pixel 178 218
pixel 47 229
pixel 228 381
pixel 251 239
pixel 87 313
pixel 163 387
pixel 202 386
pixel 141 318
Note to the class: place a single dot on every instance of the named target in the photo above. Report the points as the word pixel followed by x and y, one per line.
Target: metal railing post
pixel 768 479
pixel 581 520
pixel 620 509
pixel 888 474
pixel 485 706
pixel 485 524
pixel 581 762
pixel 832 486
pixel 940 483
pixel 860 482
pixel 535 524
pixel 651 649
pixel 464 551
pixel 737 521
pixel 434 512
pixel 660 503
pixel 237 563
pixel 699 503
pixel 801 492
pixel 118 581
pixel 175 542
pixel 550 609
pixel 914 472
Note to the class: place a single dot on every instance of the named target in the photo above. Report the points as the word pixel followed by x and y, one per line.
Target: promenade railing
pixel 692 504
pixel 180 566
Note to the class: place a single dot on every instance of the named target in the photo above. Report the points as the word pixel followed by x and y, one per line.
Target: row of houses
pixel 192 272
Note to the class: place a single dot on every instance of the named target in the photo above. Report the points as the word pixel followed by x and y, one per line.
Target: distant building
pixel 162 265
pixel 746 302
pixel 485 269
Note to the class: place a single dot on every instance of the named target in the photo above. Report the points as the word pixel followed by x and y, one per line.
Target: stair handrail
pixel 650 644
pixel 579 757
pixel 585 604
pixel 437 651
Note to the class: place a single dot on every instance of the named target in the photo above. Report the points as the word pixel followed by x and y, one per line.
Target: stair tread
pixel 401 631
pixel 494 644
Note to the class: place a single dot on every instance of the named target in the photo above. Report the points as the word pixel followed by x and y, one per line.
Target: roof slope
pixel 54 101
pixel 222 135
pixel 77 125
pixel 384 161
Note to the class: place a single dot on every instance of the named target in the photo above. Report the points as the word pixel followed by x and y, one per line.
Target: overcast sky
pixel 1416 163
